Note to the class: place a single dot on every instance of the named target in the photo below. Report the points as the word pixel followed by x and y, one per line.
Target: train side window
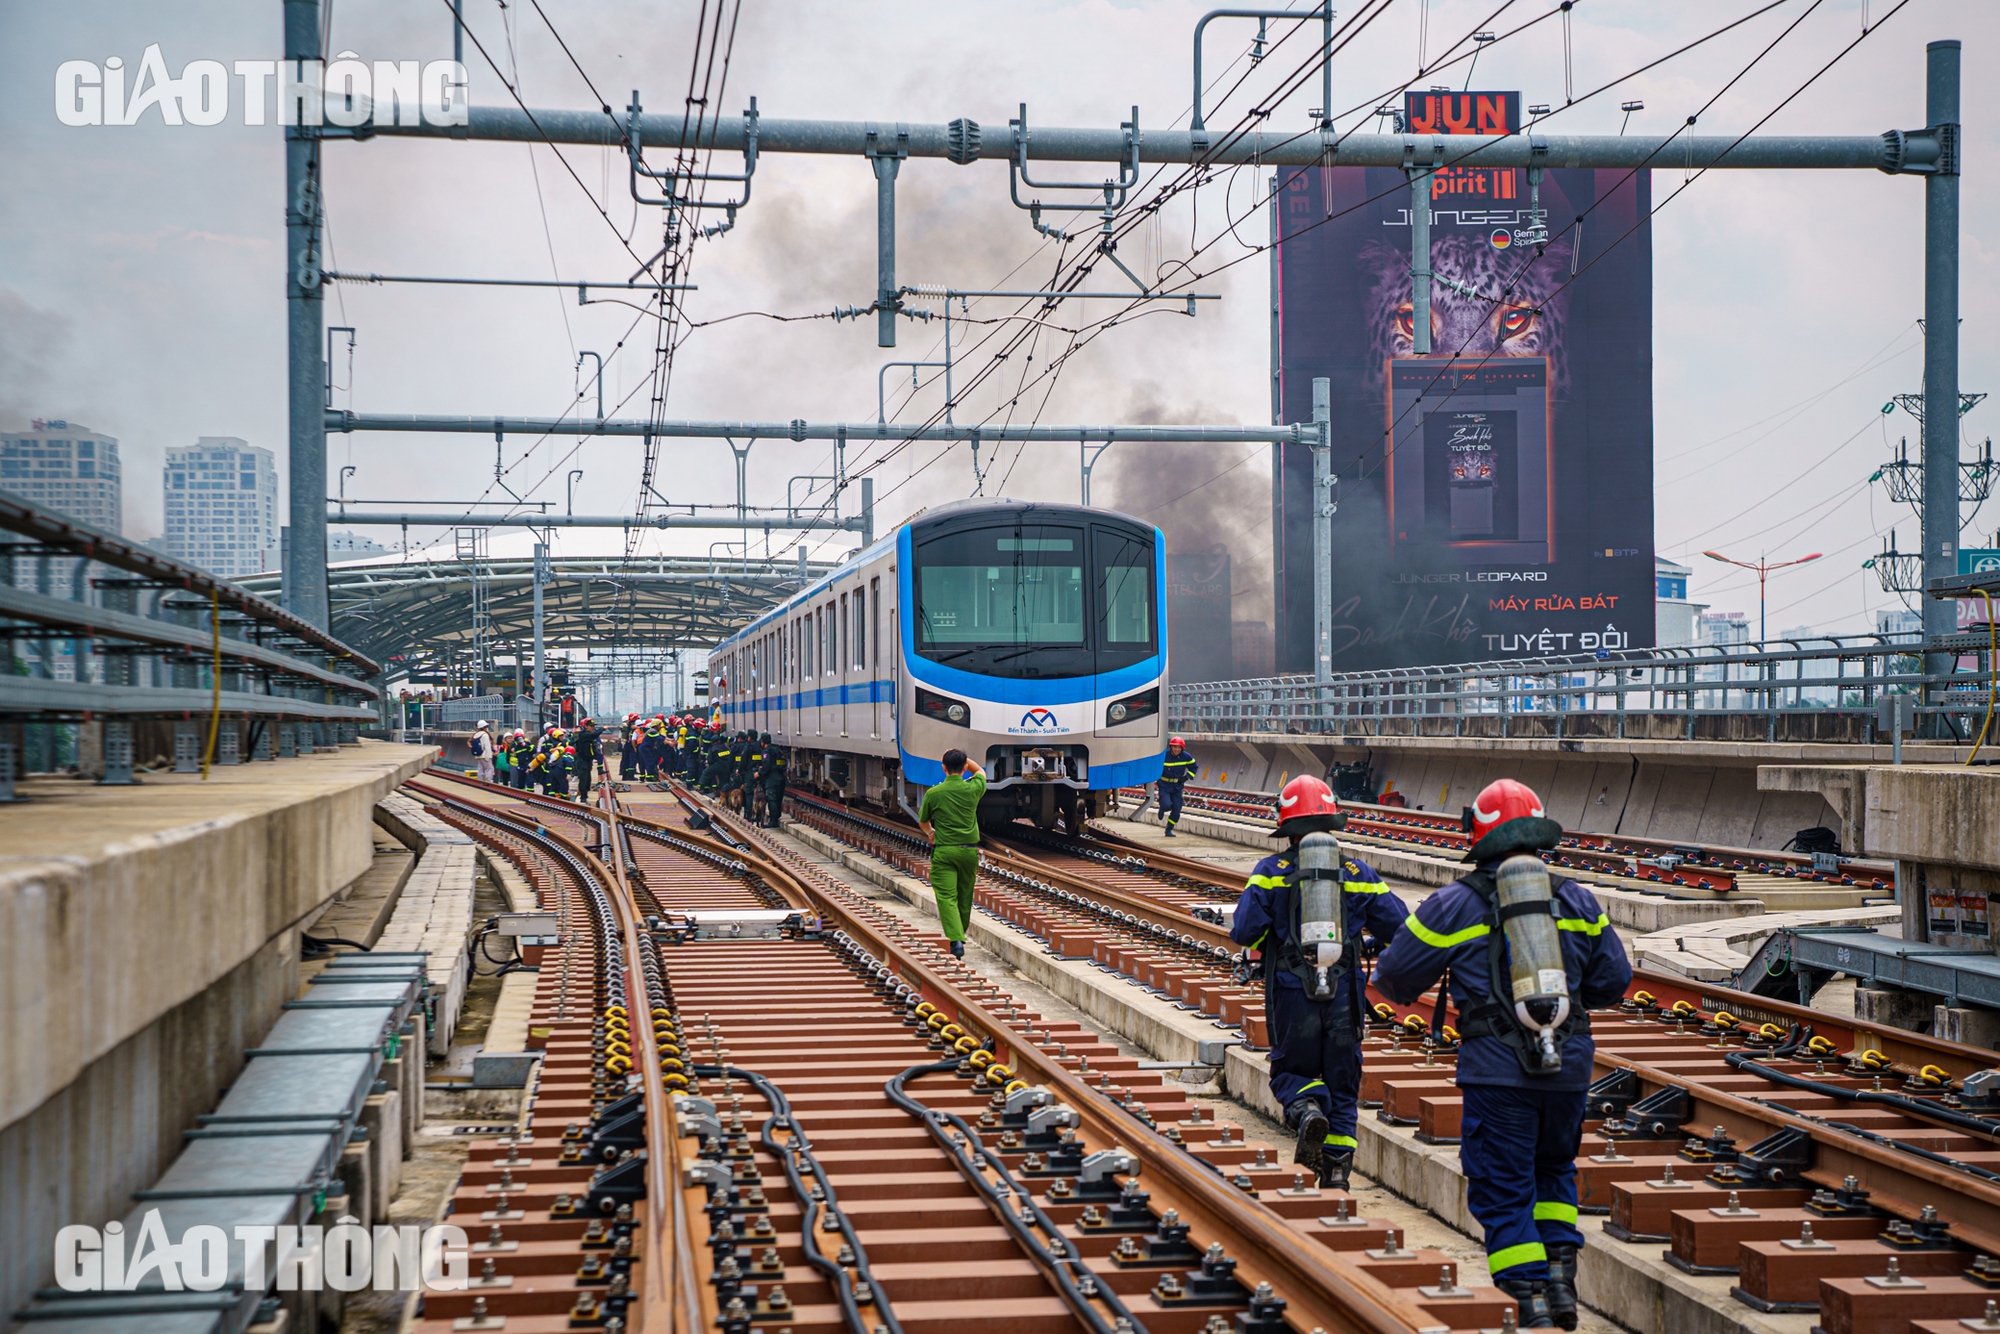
pixel 875 627
pixel 846 640
pixel 859 658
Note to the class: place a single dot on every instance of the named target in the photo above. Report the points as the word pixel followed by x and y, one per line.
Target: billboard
pixel 1496 496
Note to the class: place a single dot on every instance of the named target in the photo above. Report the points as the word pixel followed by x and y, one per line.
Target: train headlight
pixel 1133 708
pixel 942 709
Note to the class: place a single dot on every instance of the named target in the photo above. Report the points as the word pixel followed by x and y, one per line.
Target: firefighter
pixel 521 750
pixel 750 772
pixel 628 749
pixel 1313 1003
pixel 562 764
pixel 772 776
pixel 1174 774
pixel 589 752
pixel 648 751
pixel 719 756
pixel 1527 953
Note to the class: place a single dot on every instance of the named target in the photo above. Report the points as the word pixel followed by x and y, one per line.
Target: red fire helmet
pixel 1176 741
pixel 1306 806
pixel 1507 817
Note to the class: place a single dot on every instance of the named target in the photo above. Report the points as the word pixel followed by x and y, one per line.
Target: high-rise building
pixel 222 506
pixel 68 468
pixel 1674 616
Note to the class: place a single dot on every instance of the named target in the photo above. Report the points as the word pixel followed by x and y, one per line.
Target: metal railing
pixel 462 715
pixel 93 626
pixel 1823 689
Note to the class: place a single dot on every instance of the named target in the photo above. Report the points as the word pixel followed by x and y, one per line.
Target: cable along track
pixel 1722 1124
pixel 834 1074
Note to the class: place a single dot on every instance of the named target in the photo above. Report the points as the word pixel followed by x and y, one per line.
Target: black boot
pixel 1562 1284
pixel 1308 1119
pixel 1335 1167
pixel 1532 1297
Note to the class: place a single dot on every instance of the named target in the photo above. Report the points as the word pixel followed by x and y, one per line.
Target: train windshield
pixel 1035 599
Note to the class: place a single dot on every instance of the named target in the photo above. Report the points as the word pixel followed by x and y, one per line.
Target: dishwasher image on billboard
pixel 1472 459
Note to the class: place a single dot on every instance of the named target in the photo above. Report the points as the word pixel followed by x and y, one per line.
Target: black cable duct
pixel 1738 1060
pixel 1060 1259
pixel 791 1155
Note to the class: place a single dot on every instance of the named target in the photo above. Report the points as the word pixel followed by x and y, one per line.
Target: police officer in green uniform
pixel 949 817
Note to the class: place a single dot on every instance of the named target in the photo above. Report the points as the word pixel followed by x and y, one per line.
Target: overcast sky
pixel 141 267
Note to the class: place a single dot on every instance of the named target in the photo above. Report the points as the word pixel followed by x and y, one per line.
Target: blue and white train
pixel 1031 636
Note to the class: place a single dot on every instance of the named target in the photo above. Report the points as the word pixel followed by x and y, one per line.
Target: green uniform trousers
pixel 954 870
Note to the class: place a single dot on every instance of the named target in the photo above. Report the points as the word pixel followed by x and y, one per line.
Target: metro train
pixel 1031 636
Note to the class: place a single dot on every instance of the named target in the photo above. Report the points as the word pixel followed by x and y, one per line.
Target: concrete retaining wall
pixel 150 937
pixel 1693 792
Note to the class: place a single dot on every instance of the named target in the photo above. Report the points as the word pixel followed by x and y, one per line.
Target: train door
pixel 871 656
pixel 819 670
pixel 844 659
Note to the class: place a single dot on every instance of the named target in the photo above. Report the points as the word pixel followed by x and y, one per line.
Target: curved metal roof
pixel 420 611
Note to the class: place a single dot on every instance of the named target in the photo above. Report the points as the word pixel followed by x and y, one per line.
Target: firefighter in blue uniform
pixel 1174 774
pixel 1315 1044
pixel 1525 955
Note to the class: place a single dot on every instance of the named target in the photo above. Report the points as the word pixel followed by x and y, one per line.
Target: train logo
pixel 1038 720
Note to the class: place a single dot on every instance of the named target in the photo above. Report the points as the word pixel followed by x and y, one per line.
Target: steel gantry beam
pixel 1308 148
pixel 1301 433
pixel 734 522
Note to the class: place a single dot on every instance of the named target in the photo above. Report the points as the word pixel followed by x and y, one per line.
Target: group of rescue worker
pixel 547 762
pixel 740 766
pixel 1522 953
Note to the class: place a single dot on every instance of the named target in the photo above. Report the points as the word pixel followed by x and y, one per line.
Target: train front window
pixel 1124 590
pixel 1003 586
pixel 1035 600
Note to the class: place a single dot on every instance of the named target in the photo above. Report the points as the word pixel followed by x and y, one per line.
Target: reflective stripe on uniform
pixel 1364 887
pixel 1258 943
pixel 1579 924
pixel 1439 940
pixel 1342 1141
pixel 1316 1084
pixel 1526 1253
pixel 1267 882
pixel 1546 1210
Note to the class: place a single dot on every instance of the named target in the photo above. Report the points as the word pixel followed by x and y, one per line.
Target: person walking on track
pixel 949 817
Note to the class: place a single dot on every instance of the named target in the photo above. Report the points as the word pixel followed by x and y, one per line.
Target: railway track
pixel 1824 1166
pixel 810 1117
pixel 1647 864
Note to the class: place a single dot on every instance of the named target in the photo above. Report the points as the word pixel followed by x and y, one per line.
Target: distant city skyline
pixel 221 503
pixel 66 467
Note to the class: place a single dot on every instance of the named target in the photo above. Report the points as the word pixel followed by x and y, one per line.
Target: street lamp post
pixel 1763 569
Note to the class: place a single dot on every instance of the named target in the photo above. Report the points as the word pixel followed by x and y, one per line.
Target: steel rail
pixel 1321 1286
pixel 1910 1182
pixel 672 1294
pixel 659 1311
pixel 1179 919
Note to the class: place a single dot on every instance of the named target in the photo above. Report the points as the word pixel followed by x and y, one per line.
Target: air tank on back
pixel 1322 919
pixel 1534 949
